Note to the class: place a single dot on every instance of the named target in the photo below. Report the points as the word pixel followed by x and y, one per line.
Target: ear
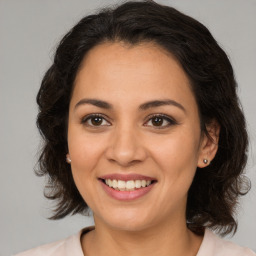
pixel 209 144
pixel 68 160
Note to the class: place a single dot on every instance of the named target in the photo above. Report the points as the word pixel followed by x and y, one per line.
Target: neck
pixel 163 239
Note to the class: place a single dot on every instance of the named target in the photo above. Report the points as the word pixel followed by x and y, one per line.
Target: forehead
pixel 144 58
pixel 132 72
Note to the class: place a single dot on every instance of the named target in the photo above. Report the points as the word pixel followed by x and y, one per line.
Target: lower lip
pixel 126 195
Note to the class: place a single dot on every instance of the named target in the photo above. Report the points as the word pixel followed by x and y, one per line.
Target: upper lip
pixel 125 177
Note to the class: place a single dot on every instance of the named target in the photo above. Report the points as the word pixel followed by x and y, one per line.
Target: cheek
pixel 178 149
pixel 178 157
pixel 84 149
pixel 85 153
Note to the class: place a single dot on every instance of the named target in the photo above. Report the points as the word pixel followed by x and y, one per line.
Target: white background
pixel 29 32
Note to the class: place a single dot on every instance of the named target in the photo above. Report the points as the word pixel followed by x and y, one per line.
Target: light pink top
pixel 212 245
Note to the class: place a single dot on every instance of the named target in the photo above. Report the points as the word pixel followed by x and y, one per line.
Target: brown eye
pixel 160 121
pixel 95 120
pixel 157 121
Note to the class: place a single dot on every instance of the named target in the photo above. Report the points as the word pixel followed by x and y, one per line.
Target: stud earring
pixel 68 160
pixel 205 161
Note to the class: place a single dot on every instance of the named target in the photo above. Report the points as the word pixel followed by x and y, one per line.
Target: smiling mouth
pixel 129 185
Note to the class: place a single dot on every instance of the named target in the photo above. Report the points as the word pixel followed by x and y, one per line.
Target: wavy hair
pixel 215 190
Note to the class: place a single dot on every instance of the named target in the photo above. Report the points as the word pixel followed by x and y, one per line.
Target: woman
pixel 141 123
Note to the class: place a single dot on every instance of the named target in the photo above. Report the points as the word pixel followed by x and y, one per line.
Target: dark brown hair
pixel 215 190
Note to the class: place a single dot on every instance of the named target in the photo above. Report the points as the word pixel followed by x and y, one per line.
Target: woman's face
pixel 134 124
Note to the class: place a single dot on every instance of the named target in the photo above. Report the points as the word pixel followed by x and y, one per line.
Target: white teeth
pixel 137 183
pixel 121 185
pixel 130 184
pixel 114 183
pixel 127 185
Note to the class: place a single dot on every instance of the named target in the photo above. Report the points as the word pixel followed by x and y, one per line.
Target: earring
pixel 68 160
pixel 205 161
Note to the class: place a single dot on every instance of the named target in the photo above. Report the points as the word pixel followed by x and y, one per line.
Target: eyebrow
pixel 144 106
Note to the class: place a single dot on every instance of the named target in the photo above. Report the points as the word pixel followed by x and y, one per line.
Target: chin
pixel 129 226
pixel 122 218
pixel 126 220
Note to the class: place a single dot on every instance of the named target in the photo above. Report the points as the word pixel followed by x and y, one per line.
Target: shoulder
pixel 212 245
pixel 65 247
pixel 47 249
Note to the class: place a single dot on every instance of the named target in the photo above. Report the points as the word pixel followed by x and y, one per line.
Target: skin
pixel 128 141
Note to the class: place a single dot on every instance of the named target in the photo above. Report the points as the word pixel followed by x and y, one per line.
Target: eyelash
pixel 170 121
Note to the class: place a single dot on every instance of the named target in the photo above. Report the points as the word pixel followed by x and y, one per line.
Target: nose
pixel 126 147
